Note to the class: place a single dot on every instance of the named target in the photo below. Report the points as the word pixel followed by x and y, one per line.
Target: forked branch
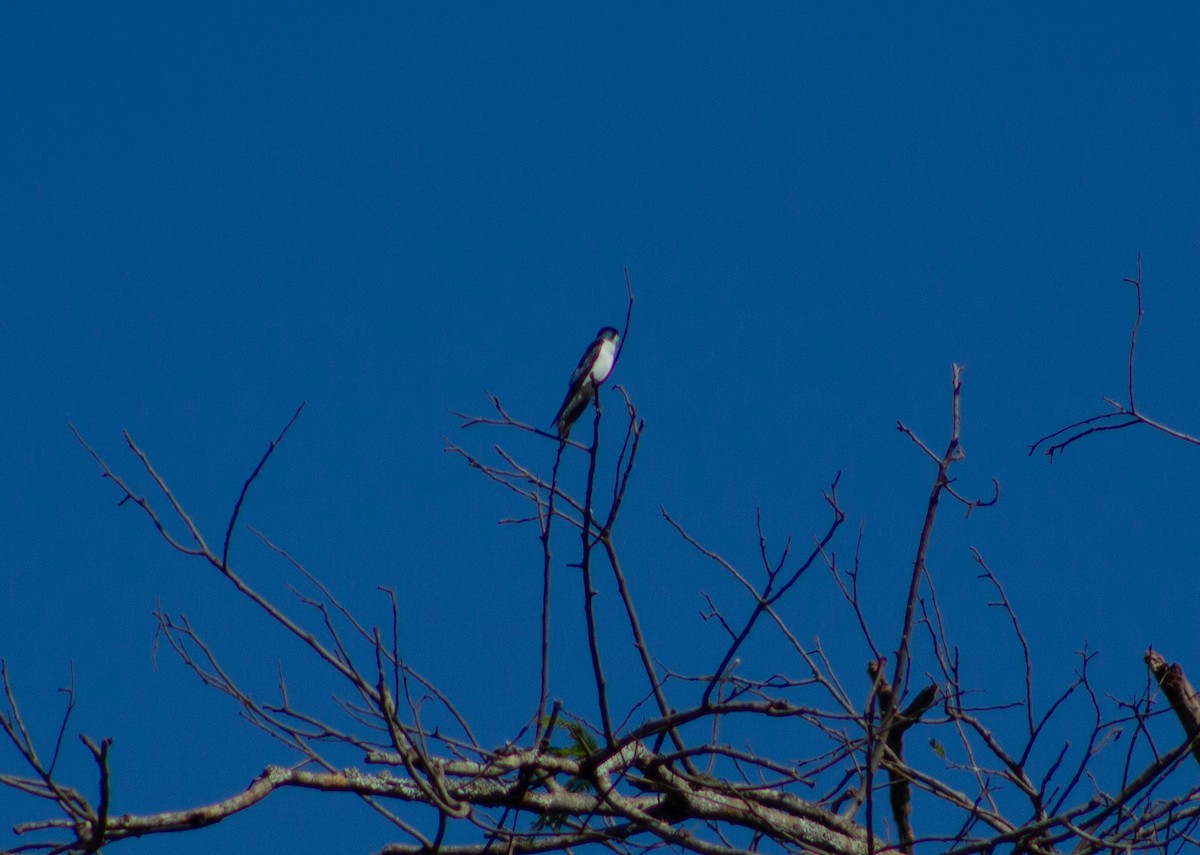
pixel 1123 415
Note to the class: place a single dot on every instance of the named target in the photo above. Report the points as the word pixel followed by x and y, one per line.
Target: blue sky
pixel 212 214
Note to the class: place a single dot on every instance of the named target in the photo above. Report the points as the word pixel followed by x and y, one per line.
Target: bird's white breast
pixel 603 365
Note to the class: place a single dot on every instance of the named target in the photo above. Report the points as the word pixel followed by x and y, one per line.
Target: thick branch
pixel 1180 694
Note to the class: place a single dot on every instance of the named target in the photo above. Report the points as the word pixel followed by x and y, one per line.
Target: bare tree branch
pixel 1122 415
pixel 692 763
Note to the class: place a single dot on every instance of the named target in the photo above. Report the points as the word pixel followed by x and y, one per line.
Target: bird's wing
pixel 577 392
pixel 586 363
pixel 572 409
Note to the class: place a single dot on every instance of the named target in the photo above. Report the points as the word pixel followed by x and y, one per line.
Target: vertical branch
pixel 633 438
pixel 1137 287
pixel 395 646
pixel 953 453
pixel 1012 616
pixel 885 745
pixel 544 692
pixel 585 566
pixel 867 793
pixel 100 823
pixel 628 316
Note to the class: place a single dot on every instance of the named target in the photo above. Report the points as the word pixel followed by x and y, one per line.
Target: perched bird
pixel 593 369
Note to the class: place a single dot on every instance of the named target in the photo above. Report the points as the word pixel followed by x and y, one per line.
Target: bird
pixel 592 370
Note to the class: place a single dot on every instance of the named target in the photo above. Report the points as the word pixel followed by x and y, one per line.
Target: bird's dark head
pixel 609 334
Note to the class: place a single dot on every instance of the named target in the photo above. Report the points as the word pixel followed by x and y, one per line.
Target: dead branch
pixel 665 770
pixel 1180 695
pixel 1122 415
